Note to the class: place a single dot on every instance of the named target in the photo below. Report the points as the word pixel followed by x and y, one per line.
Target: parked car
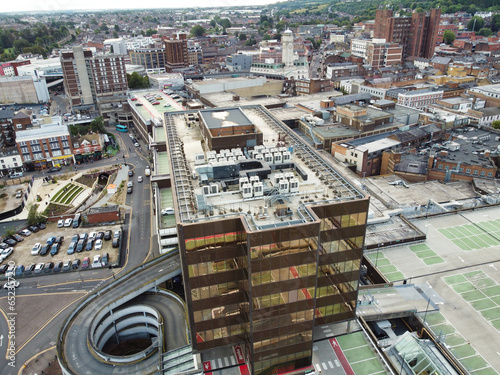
pixel 28 269
pixel 58 267
pixel 75 238
pixel 11 271
pixel 98 244
pixel 136 144
pixel 86 262
pixel 3 245
pixel 10 241
pixel 68 222
pixel 139 179
pixel 60 223
pixel 39 268
pixel 84 236
pixel 18 238
pixel 33 228
pixel 71 248
pixel 6 253
pixel 4 268
pixel 130 173
pixel 54 249
pixel 100 235
pixel 41 226
pixel 130 189
pixel 44 250
pixel 105 259
pixel 51 240
pixel 92 236
pixel 167 211
pixel 79 246
pixel 89 245
pixel 54 169
pixel 48 267
pixel 59 239
pixel 36 248
pixel 138 104
pixel 96 263
pixel 25 232
pixel 66 265
pixel 107 235
pixel 75 264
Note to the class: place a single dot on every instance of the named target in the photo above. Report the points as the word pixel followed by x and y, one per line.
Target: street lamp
pixel 124 160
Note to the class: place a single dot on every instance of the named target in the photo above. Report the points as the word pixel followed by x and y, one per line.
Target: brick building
pixel 176 52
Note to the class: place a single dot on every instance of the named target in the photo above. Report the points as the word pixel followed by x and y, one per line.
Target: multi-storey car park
pixel 270 235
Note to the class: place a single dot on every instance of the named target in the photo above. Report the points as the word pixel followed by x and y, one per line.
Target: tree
pixel 242 37
pixel 476 23
pixel 448 37
pixel 136 81
pixel 34 217
pixel 197 31
pixel 485 31
pixel 496 124
pixel 117 28
pixel 495 22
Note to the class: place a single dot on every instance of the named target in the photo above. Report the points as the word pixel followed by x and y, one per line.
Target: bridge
pixel 132 307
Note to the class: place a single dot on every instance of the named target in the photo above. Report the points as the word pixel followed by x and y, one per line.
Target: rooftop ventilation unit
pixel 206 190
pixel 286 157
pixel 247 191
pixel 278 177
pixel 277 158
pixel 214 189
pixel 294 185
pixel 243 181
pixel 268 158
pixel 284 186
pixel 258 189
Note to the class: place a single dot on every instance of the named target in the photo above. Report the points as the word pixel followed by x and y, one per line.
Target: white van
pixel 16 175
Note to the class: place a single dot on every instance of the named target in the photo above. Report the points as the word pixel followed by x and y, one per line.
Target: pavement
pixel 122 175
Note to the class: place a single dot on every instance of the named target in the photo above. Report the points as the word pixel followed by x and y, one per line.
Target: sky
pixel 58 5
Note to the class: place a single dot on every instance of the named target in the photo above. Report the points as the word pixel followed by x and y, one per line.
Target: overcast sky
pixel 55 5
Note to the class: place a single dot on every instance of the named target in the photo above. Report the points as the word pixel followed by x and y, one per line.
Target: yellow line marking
pixel 30 359
pixel 48 321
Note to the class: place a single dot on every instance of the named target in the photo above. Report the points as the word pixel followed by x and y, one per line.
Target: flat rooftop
pixel 216 119
pixel 269 185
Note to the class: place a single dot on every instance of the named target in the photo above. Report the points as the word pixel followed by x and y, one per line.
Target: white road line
pixel 354 348
pixel 226 361
pixel 318 367
pixel 233 361
pixel 461 259
pixel 220 362
pixel 325 367
pixel 331 364
pixel 337 363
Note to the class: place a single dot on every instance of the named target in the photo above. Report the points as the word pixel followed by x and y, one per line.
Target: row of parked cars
pixel 51 267
pixel 7 245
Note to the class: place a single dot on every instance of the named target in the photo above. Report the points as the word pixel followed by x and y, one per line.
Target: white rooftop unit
pixel 287 156
pixel 254 179
pixel 211 154
pixel 294 185
pixel 229 154
pixel 259 157
pixel 231 158
pixel 288 175
pixel 260 149
pixel 206 190
pixel 268 158
pixel 277 157
pixel 247 191
pixel 241 157
pixel 272 150
pixel 199 159
pixel 284 187
pixel 212 160
pixel 243 181
pixel 221 158
pixel 214 189
pixel 281 149
pixel 278 177
pixel 258 189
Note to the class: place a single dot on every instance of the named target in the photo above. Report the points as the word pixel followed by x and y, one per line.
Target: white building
pixel 419 98
pixel 9 161
pixel 287 48
pixel 359 46
pixel 163 81
pixel 117 45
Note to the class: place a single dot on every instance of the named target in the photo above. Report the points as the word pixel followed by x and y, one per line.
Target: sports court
pixel 360 354
pixel 474 236
pixel 481 292
pixel 426 254
pixel 458 345
pixel 390 271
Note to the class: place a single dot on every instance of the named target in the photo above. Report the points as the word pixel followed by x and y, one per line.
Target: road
pixel 64 289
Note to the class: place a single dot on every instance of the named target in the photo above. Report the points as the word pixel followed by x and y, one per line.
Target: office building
pixel 88 78
pixel 239 62
pixel 270 236
pixel 149 58
pixel 416 34
pixel 176 52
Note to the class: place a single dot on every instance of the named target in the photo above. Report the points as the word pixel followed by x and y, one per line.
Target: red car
pixel 133 99
pixel 155 103
pixel 86 262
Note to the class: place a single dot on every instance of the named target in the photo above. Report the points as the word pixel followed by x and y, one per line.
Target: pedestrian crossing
pixel 323 367
pixel 222 362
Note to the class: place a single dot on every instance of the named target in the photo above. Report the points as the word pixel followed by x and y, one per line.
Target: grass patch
pixel 60 192
pixel 74 195
pixel 54 209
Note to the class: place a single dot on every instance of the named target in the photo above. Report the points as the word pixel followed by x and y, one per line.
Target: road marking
pixel 493 266
pixel 461 259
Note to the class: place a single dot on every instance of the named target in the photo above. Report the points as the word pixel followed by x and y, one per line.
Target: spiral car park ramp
pixel 130 309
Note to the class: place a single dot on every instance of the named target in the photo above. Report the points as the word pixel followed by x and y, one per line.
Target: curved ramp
pixel 77 352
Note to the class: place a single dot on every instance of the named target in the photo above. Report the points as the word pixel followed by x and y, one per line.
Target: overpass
pixel 131 307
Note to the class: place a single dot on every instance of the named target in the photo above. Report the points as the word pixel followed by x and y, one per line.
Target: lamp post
pixel 124 160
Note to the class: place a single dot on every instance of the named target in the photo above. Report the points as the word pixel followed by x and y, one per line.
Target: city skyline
pixel 66 5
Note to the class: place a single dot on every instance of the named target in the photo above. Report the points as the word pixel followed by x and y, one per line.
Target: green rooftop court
pixel 361 356
pixel 163 166
pixel 166 200
pixel 159 134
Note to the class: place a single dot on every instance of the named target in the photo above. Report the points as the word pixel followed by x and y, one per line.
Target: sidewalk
pixel 121 175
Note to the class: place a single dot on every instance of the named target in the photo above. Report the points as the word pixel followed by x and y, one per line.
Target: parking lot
pixel 22 254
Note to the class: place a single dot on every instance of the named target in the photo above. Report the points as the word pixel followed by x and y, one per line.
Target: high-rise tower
pixel 287 45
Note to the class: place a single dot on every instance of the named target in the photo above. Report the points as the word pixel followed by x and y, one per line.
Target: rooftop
pixel 43 132
pixel 268 185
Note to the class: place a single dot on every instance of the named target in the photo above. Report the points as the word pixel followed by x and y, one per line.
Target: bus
pixel 122 128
